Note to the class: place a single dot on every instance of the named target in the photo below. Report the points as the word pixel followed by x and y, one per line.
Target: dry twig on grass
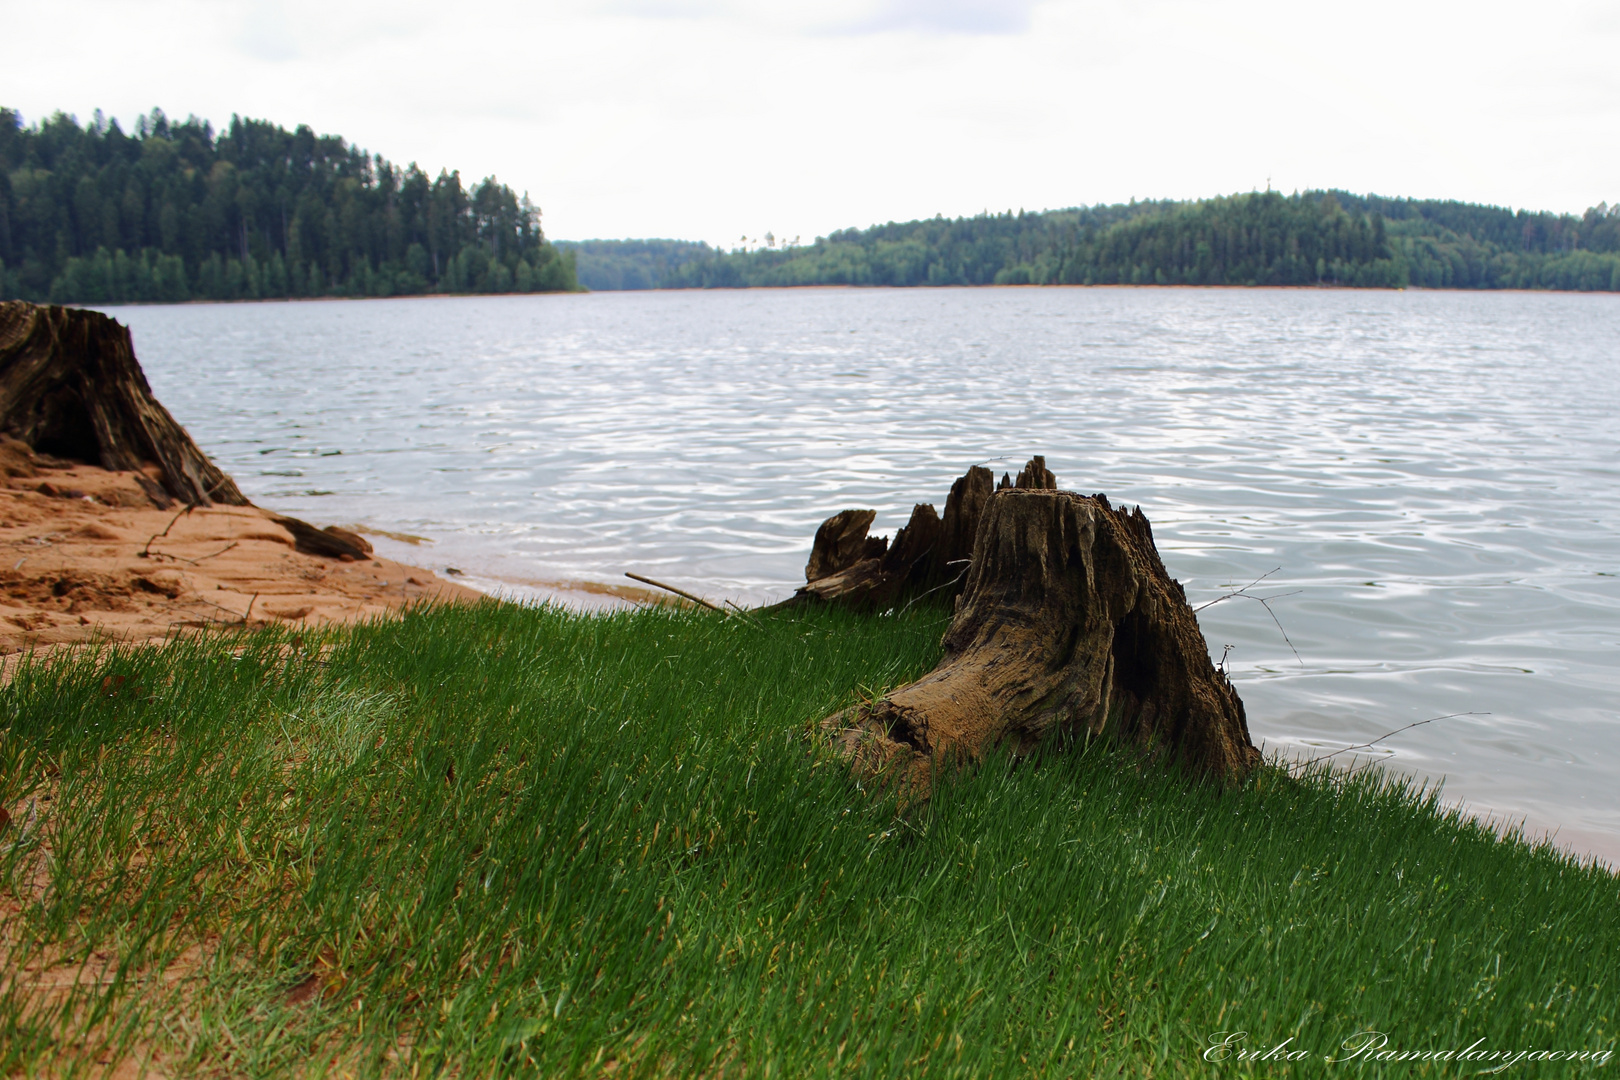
pixel 210 555
pixel 736 613
pixel 678 592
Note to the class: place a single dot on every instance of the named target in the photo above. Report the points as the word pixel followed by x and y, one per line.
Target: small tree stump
pixel 70 387
pixel 1068 626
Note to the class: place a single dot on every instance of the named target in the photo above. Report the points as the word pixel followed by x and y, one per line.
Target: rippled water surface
pixel 1434 477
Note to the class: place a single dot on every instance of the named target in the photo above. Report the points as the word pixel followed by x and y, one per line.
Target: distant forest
pixel 173 211
pixel 1264 238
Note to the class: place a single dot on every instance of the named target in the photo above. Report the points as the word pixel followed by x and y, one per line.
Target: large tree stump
pixel 1068 626
pixel 70 387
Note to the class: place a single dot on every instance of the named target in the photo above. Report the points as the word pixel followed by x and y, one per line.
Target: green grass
pixel 501 841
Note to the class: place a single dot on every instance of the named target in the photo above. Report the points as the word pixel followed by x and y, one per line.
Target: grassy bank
pixel 496 841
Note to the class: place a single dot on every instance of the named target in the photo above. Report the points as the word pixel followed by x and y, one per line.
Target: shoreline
pixel 75 578
pixel 98 305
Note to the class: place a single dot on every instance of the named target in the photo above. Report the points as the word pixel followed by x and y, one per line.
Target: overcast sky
pixel 714 119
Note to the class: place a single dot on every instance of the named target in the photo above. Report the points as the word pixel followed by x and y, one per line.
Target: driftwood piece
pixel 332 542
pixel 70 387
pixel 1069 626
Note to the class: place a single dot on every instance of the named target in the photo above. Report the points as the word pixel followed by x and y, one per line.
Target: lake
pixel 1432 478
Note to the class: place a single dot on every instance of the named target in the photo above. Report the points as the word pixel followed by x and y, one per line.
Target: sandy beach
pixel 85 554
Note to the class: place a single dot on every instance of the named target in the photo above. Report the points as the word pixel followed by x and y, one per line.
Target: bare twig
pixel 220 607
pixel 1263 601
pixel 1385 735
pixel 936 588
pixel 1238 592
pixel 147 550
pixel 235 620
pixel 677 592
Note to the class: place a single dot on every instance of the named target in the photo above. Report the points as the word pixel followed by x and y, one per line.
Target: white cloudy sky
pixel 712 119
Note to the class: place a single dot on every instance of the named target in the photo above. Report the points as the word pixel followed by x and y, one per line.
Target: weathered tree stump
pixel 1068 626
pixel 70 387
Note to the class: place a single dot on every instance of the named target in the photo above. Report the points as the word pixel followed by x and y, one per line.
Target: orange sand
pixel 78 561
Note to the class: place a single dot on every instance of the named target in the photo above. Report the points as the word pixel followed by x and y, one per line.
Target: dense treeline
pixel 613 265
pixel 173 212
pixel 1264 238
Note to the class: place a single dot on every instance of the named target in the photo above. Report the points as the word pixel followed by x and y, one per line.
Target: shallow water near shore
pixel 1434 478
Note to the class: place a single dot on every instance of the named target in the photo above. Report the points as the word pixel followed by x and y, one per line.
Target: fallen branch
pixel 677 592
pixel 742 613
pixel 330 542
pixel 235 620
pixel 1239 592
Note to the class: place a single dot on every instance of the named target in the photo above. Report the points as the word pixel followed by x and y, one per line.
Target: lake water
pixel 1435 477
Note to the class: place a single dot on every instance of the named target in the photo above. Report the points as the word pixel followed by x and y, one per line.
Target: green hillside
pixel 1263 238
pixel 175 211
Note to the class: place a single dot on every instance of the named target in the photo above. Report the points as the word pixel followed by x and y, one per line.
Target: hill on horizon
pixel 1259 238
